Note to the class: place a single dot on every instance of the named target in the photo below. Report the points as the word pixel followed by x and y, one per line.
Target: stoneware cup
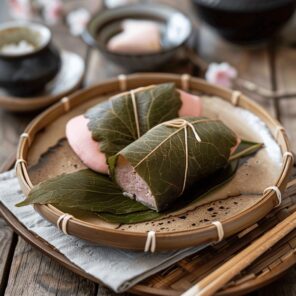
pixel 26 73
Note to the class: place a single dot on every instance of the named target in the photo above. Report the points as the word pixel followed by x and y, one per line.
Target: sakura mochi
pixel 88 150
pixel 156 178
pixel 137 37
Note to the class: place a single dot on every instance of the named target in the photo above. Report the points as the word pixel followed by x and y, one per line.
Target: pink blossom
pixel 221 74
pixel 77 20
pixel 22 9
pixel 53 11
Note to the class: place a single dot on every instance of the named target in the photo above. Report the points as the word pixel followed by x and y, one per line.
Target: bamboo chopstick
pixel 217 279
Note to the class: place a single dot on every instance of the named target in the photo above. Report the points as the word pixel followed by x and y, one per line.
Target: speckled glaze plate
pixel 237 205
pixel 67 80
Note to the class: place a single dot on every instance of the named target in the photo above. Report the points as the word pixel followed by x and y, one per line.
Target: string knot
pixel 183 123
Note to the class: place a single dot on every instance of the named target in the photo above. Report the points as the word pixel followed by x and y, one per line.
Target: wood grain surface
pixel 23 269
pixel 8 240
pixel 33 273
pixel 285 77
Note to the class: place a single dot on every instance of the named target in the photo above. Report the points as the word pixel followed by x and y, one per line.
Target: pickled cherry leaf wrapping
pixel 114 125
pixel 160 158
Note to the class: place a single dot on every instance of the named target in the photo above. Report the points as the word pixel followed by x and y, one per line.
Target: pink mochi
pixel 191 105
pixel 88 150
pixel 238 141
pixel 137 37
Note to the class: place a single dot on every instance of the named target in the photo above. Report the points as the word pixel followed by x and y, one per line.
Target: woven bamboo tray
pixel 106 234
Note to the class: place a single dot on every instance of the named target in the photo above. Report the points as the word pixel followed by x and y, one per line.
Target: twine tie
pixel 63 222
pixel 135 112
pixel 185 79
pixel 150 244
pixel 220 230
pixel 278 193
pixel 122 82
pixel 235 97
pixel 66 103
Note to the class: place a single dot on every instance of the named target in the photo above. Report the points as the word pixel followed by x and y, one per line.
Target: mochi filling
pixel 132 184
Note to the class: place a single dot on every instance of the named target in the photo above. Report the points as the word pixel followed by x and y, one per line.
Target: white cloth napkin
pixel 117 269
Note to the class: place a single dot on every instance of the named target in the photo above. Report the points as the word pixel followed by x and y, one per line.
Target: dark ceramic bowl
pixel 106 24
pixel 245 21
pixel 26 74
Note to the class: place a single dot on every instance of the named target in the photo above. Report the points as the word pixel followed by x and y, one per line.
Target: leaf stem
pixel 246 151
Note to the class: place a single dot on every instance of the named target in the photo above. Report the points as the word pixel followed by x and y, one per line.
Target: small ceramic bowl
pixel 245 21
pixel 25 71
pixel 107 23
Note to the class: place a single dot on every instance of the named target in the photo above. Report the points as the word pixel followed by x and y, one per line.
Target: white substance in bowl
pixel 22 47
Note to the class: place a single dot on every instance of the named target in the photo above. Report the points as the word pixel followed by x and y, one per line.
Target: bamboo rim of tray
pixel 165 240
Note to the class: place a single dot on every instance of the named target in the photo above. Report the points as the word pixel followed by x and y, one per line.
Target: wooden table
pixel 26 271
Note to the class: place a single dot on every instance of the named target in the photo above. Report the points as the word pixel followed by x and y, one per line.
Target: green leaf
pixel 85 190
pixel 159 157
pixel 117 213
pixel 113 123
pixel 245 148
